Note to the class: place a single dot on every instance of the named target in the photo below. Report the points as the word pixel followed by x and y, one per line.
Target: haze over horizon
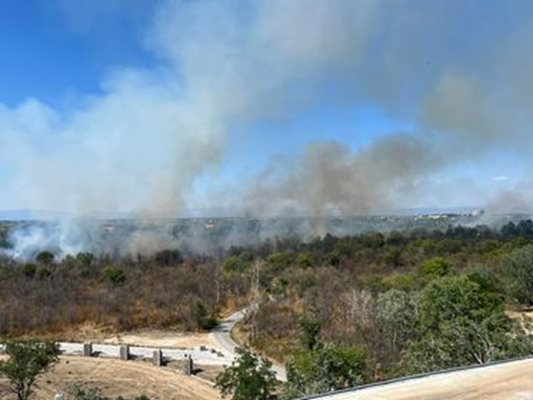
pixel 269 107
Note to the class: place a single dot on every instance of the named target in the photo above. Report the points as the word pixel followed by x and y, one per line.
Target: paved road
pixel 509 381
pixel 221 335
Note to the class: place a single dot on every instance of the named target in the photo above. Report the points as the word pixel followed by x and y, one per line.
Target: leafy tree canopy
pixel 518 275
pixel 248 378
pixel 27 360
pixel 325 368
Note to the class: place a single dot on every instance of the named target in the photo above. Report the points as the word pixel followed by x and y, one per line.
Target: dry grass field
pixel 122 378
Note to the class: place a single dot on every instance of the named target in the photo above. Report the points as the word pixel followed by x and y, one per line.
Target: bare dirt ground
pixel 510 381
pixel 122 378
pixel 146 337
pixel 160 339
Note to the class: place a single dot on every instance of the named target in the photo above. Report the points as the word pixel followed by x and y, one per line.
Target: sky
pixel 265 106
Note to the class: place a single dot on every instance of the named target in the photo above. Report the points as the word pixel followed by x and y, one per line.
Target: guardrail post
pixel 87 349
pixel 188 365
pixel 158 358
pixel 124 352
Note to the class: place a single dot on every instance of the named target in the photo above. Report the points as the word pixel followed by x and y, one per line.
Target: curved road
pixel 221 335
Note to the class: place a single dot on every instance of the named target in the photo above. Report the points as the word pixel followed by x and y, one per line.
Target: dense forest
pixel 369 306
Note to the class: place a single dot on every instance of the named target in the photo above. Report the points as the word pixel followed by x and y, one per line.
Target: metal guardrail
pixel 416 376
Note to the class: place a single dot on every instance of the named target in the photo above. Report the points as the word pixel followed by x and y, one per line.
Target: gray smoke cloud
pixel 458 71
pixel 330 180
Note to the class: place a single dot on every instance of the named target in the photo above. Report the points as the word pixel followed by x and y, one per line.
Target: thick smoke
pixel 459 72
pixel 330 180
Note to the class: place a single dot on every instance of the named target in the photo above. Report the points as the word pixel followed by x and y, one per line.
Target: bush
pixel 326 368
pixel 79 392
pixel 44 273
pixel 401 282
pixel 435 267
pixel 115 275
pixel 202 318
pixel 45 257
pixel 305 260
pixel 84 259
pixel 29 270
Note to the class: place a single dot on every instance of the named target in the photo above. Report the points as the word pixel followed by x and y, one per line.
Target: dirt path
pixel 123 378
pixel 161 339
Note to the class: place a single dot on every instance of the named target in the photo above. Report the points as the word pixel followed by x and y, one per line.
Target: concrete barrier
pixel 188 365
pixel 124 352
pixel 157 358
pixel 204 356
pixel 87 349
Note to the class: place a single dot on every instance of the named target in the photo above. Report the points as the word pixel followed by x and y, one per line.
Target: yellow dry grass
pixel 122 378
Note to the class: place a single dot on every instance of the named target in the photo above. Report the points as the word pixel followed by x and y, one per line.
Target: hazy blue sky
pixel 350 105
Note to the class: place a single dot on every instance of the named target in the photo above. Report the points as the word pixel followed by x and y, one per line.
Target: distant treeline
pixel 117 238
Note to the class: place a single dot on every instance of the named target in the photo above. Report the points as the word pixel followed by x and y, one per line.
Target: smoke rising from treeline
pixel 458 71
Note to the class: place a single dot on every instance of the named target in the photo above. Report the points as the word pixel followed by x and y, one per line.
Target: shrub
pixel 79 392
pixel 435 267
pixel 115 275
pixel 29 270
pixel 45 257
pixel 203 320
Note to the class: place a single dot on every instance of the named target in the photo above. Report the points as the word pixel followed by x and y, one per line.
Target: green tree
pixel 29 270
pixel 518 275
pixel 235 264
pixel 202 319
pixel 26 361
pixel 84 259
pixel 461 323
pixel 45 257
pixel 277 262
pixel 435 267
pixel 326 368
pixel 305 260
pixel 394 257
pixel 310 337
pixel 248 378
pixel 396 315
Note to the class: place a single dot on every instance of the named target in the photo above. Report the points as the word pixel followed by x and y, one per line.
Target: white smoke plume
pixel 458 71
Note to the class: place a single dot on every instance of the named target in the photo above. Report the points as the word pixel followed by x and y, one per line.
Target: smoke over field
pixel 140 145
pixel 116 238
